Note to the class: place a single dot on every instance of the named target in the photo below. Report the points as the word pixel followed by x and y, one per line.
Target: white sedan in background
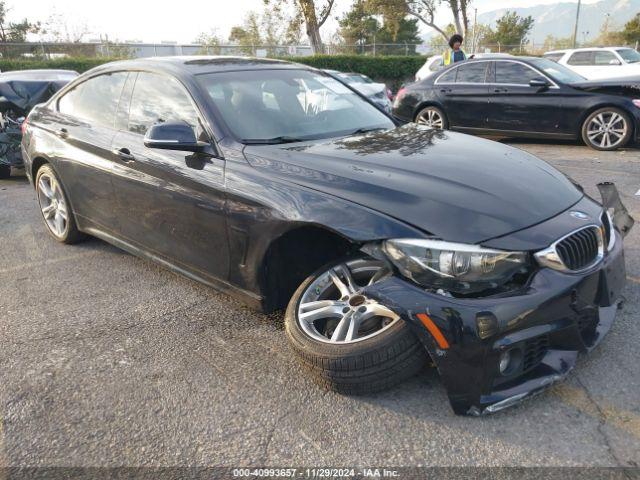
pixel 599 63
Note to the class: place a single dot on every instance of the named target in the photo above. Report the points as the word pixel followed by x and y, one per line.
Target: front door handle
pixel 62 133
pixel 445 90
pixel 124 154
pixel 500 90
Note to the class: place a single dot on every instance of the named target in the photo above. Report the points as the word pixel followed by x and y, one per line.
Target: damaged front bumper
pixel 543 327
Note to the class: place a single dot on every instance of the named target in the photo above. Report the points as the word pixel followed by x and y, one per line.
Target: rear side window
pixel 159 98
pixel 582 58
pixel 95 100
pixel 515 73
pixel 472 72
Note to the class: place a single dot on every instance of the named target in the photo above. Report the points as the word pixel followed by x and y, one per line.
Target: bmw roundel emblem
pixel 579 215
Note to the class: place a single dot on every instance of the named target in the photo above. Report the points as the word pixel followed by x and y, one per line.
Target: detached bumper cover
pixel 549 323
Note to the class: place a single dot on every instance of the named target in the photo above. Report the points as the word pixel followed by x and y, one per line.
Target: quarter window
pixel 472 72
pixel 94 100
pixel 159 98
pixel 515 73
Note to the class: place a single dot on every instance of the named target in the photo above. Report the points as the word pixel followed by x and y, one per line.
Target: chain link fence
pixel 55 50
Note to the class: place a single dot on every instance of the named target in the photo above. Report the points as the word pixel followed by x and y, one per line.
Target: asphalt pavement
pixel 110 360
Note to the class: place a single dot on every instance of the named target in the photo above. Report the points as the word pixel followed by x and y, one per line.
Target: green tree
pixel 314 13
pixel 425 11
pixel 15 31
pixel 631 31
pixel 247 35
pixel 361 25
pixel 511 30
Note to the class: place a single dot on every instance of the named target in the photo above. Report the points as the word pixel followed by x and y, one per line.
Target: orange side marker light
pixel 434 330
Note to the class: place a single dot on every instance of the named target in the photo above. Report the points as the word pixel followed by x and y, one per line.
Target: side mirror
pixel 539 83
pixel 615 61
pixel 173 136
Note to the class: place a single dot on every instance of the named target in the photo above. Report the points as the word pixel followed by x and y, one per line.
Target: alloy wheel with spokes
pixel 607 129
pixel 55 207
pixel 334 308
pixel 432 117
pixel 350 342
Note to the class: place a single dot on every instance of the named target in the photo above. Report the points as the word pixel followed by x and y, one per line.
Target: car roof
pixel 586 49
pixel 198 64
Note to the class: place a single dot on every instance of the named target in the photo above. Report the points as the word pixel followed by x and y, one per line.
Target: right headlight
pixel 457 267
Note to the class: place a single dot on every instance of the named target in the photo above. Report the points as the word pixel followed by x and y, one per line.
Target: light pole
pixel 575 29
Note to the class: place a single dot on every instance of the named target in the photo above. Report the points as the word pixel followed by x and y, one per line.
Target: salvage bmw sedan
pixel 388 245
pixel 525 97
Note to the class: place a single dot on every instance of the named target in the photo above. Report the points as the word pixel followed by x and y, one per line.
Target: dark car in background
pixel 525 97
pixel 387 245
pixel 19 92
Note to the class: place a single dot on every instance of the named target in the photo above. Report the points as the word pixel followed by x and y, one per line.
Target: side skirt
pixel 252 300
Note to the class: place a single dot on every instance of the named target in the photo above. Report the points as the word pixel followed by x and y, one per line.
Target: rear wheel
pixel 349 342
pixel 607 129
pixel 54 206
pixel 432 117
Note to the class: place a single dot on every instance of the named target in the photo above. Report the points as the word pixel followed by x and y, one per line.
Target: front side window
pixel 515 73
pixel 264 105
pixel 94 100
pixel 159 98
pixel 557 71
pixel 604 57
pixel 472 72
pixel 582 58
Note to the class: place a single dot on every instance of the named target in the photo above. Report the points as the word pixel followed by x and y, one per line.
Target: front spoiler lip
pixel 561 362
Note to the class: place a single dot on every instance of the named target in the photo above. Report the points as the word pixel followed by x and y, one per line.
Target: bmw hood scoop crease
pixel 454 186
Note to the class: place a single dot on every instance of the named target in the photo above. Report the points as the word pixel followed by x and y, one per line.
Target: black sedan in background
pixel 524 97
pixel 386 244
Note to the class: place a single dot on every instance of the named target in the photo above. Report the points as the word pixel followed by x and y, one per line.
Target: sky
pixel 183 21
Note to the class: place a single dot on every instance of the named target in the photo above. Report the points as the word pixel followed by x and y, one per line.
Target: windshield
pixel 629 55
pixel 274 106
pixel 557 71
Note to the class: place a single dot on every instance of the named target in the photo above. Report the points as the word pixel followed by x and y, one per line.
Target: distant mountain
pixel 558 19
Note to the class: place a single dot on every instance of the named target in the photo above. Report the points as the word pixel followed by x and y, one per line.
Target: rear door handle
pixel 500 90
pixel 124 154
pixel 445 90
pixel 62 133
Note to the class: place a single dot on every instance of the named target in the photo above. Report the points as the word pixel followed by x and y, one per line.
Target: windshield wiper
pixel 271 141
pixel 367 130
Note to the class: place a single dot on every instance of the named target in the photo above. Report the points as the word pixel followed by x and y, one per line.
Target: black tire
pixel 366 366
pixel 425 111
pixel 5 171
pixel 70 234
pixel 588 131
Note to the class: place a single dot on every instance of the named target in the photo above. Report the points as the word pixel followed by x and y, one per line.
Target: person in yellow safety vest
pixel 455 53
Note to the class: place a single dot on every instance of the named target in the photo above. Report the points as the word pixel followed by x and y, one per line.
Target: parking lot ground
pixel 109 360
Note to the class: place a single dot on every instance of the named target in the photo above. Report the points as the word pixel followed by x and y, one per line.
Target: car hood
pixel 629 85
pixel 454 186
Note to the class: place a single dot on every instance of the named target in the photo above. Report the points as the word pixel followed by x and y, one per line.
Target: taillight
pixel 23 127
pixel 401 93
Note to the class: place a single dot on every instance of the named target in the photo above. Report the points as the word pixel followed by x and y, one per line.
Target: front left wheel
pixel 350 342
